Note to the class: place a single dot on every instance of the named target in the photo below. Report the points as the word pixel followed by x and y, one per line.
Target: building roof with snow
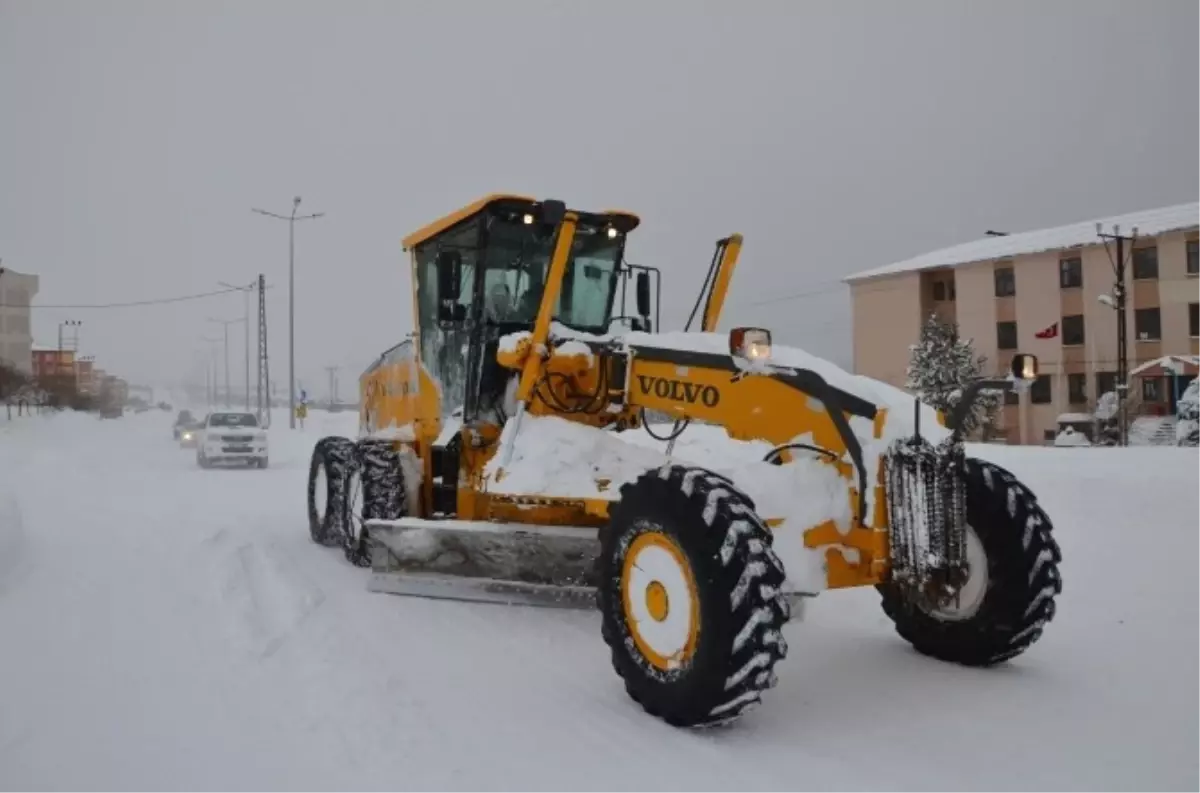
pixel 1149 222
pixel 1168 364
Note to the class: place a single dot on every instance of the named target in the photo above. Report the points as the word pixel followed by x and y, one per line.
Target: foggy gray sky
pixel 136 136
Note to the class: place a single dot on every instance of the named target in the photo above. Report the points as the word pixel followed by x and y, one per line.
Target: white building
pixel 16 293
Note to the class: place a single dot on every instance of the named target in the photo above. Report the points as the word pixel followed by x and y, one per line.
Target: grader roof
pixel 517 203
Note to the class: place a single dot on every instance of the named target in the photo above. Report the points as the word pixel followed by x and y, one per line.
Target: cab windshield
pixel 515 272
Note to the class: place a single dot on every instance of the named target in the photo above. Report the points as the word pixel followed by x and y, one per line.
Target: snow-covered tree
pixel 1187 412
pixel 942 365
pixel 1107 431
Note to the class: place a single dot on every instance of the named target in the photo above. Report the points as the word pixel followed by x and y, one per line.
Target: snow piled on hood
pixel 899 403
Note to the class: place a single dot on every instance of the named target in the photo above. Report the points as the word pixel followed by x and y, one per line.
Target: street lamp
pixel 291 219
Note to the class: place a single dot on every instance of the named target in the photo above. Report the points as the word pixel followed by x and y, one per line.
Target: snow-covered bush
pixel 1069 437
pixel 1187 412
pixel 942 365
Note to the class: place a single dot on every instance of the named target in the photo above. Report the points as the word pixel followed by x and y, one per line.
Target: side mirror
pixel 1024 367
pixel 449 281
pixel 643 293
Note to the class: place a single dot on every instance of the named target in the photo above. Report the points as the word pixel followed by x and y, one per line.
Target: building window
pixel 1077 389
pixel 1011 397
pixel 1070 272
pixel 1193 257
pixel 1006 335
pixel 1145 263
pixel 943 291
pixel 1006 282
pixel 1106 382
pixel 1194 319
pixel 1152 389
pixel 1072 330
pixel 1040 393
pixel 1147 324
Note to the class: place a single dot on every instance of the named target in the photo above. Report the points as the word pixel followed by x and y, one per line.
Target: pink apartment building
pixel 1040 292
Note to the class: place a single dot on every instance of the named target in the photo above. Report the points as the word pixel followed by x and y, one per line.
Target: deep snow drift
pixel 166 627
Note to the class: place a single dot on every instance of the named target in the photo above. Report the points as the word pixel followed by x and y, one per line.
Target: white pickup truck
pixel 231 437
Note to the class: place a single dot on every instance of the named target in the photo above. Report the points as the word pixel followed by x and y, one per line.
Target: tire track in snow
pixel 14 545
pixel 271 598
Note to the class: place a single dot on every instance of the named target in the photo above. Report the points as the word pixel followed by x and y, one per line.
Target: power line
pixel 829 286
pixel 128 304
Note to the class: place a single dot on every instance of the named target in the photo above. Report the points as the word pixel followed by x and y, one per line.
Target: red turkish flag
pixel 1049 333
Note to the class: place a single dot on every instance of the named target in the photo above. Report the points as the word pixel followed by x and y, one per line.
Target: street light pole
pixel 226 323
pixel 291 219
pixel 1119 295
pixel 246 319
pixel 210 372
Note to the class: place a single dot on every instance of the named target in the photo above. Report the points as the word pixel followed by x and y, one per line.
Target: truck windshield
pixel 233 420
pixel 516 269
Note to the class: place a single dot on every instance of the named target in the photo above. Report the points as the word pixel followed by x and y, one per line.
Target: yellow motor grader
pixel 493 464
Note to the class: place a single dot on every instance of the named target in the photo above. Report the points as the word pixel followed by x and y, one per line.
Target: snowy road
pixel 163 627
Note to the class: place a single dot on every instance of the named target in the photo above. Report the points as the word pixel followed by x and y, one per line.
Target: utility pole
pixel 291 219
pixel 332 370
pixel 1118 301
pixel 60 367
pixel 264 372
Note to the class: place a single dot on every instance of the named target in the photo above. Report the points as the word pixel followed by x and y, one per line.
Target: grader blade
pixel 508 563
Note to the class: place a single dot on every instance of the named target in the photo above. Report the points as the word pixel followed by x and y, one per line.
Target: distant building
pixel 16 294
pixel 50 362
pixel 83 375
pixel 1038 292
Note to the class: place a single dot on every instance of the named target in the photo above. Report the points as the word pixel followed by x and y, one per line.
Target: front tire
pixel 378 486
pixel 690 595
pixel 1012 582
pixel 328 472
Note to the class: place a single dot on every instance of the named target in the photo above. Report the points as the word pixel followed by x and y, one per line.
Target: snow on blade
pixel 557 457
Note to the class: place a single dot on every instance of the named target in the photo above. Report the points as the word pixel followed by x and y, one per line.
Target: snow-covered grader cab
pixel 500 459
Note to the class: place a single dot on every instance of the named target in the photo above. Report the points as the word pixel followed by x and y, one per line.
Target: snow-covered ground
pixel 164 627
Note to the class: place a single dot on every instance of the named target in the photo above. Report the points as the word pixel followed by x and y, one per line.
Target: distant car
pixel 185 420
pixel 110 411
pixel 231 437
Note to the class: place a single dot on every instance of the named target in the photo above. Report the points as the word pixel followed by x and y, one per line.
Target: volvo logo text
pixel 679 391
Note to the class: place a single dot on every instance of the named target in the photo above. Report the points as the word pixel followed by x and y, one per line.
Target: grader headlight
pixel 752 345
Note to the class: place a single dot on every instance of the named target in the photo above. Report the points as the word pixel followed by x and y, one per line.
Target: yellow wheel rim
pixel 660 601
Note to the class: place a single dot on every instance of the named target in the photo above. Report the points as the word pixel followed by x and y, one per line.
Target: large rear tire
pixel 1012 581
pixel 690 597
pixel 379 484
pixel 328 473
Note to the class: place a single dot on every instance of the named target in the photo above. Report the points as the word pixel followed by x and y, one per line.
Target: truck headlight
pixel 750 344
